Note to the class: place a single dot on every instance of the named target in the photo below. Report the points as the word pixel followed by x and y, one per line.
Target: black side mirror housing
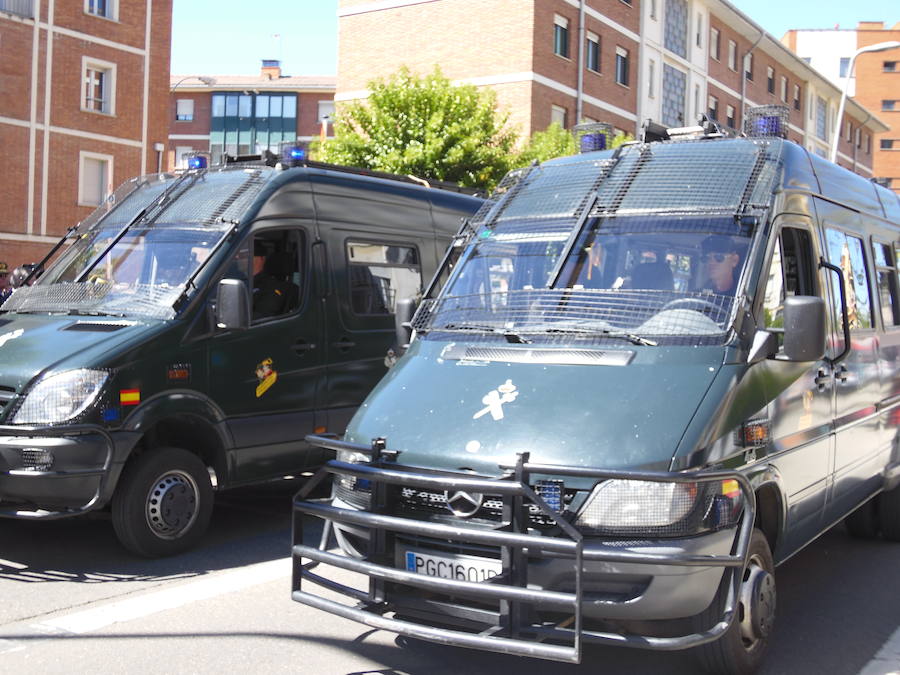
pixel 403 315
pixel 232 305
pixel 804 328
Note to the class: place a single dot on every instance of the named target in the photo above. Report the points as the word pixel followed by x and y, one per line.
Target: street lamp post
pixel 878 47
pixel 208 81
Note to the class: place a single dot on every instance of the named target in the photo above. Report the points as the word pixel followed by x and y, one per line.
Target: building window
pixel 244 124
pixel 677 27
pixel 887 143
pixel 674 96
pixel 868 144
pixel 622 66
pixel 858 137
pixel 849 132
pixel 890 67
pixel 653 9
pixel 326 111
pixel 696 101
pixel 729 116
pixel 561 36
pixel 558 116
pixel 714 43
pixel 888 291
pixel 651 79
pixel 732 55
pixel 844 67
pixel 105 8
pixel 698 36
pixel 94 178
pixel 797 94
pixel 784 89
pixel 98 86
pixel 184 109
pixel 748 66
pixel 593 52
pixel 770 79
pixel 713 108
pixel 888 104
pixel 821 118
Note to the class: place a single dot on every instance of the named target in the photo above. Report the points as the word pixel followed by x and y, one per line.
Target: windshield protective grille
pixel 152 302
pixel 218 195
pixel 578 312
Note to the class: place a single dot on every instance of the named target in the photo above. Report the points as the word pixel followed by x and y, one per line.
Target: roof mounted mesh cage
pixel 767 120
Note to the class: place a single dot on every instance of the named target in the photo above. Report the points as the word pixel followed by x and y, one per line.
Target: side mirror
pixel 804 328
pixel 232 305
pixel 403 314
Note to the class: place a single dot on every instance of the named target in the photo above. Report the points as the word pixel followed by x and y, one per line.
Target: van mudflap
pixel 499 615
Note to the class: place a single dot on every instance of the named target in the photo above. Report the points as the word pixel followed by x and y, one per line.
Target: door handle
pixel 301 346
pixel 823 377
pixel 344 344
pixel 842 374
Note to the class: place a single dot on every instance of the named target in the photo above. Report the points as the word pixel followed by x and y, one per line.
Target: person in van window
pixel 273 293
pixel 720 258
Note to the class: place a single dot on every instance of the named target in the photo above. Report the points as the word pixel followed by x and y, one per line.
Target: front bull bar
pixel 508 636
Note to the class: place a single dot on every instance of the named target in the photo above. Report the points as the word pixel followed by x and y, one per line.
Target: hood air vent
pixel 96 327
pixel 564 357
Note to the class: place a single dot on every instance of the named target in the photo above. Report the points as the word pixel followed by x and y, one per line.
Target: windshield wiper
pixel 631 337
pixel 511 336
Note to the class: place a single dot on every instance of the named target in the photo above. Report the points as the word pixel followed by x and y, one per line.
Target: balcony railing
pixel 23 8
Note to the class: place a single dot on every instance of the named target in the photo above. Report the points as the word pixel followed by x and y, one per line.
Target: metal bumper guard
pixel 512 634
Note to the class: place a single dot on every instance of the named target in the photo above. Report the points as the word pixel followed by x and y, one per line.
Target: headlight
pixel 350 489
pixel 60 397
pixel 663 509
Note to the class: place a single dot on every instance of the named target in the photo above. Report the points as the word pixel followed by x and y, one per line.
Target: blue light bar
pixel 197 162
pixel 768 126
pixel 593 142
pixel 551 491
pixel 296 154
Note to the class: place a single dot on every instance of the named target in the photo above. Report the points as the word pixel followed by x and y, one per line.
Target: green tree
pixel 424 126
pixel 555 141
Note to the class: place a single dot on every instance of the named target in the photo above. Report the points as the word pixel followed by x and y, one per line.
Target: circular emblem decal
pixel 464 504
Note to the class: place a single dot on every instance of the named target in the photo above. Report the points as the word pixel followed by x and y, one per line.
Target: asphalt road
pixel 72 601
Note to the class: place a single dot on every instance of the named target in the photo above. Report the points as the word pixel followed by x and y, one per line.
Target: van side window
pixel 846 251
pixel 380 275
pixel 276 273
pixel 886 273
pixel 791 272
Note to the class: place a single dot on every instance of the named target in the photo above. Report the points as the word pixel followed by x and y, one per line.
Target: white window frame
pixel 715 45
pixel 592 37
pixel 563 23
pixel 109 159
pixel 732 55
pixel 112 5
pixel 109 99
pixel 784 89
pixel 623 53
pixel 328 104
pixel 698 37
pixel 184 110
pixel 770 80
pixel 558 114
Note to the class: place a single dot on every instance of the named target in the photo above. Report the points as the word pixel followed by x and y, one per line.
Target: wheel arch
pixel 770 506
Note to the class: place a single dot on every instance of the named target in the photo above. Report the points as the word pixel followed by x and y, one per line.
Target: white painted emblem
pixel 494 400
pixel 6 337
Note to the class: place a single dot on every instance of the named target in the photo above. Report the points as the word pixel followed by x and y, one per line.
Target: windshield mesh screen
pixel 152 302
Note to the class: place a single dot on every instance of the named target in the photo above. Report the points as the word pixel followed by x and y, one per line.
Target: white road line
pixel 887 660
pixel 169 598
pixel 14 565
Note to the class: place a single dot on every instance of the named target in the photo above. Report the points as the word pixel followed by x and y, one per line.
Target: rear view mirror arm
pixel 844 317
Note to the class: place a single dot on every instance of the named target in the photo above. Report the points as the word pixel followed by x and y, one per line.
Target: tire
pixel 864 523
pixel 163 503
pixel 889 513
pixel 743 647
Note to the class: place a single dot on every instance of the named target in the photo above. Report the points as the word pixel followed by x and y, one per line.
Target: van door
pixel 267 378
pixel 371 275
pixel 857 464
pixel 802 394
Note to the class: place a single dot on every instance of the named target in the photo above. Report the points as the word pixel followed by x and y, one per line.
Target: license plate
pixel 459 567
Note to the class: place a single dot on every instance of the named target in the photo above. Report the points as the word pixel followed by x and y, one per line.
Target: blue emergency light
pixel 767 126
pixel 593 142
pixel 197 162
pixel 296 154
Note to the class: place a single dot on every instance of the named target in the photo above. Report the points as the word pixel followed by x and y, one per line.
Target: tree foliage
pixel 424 126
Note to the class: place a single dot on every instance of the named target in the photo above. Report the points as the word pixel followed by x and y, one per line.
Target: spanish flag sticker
pixel 129 396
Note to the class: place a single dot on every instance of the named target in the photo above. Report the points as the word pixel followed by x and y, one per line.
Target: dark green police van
pixel 194 331
pixel 653 375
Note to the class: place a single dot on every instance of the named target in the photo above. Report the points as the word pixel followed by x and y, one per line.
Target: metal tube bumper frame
pixel 56 432
pixel 522 638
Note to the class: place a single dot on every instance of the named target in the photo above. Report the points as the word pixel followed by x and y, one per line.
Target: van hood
pixel 626 410
pixel 31 344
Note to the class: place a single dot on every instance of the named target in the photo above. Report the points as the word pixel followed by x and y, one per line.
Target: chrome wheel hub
pixel 756 603
pixel 172 504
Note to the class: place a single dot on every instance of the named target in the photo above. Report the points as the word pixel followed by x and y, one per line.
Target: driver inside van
pixel 273 293
pixel 720 258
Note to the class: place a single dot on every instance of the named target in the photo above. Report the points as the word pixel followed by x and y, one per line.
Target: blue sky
pixel 220 37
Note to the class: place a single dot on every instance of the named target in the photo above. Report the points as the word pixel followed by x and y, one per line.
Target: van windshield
pixel 143 274
pixel 632 276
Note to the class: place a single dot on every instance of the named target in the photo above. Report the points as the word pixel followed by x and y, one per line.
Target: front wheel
pixel 742 648
pixel 163 503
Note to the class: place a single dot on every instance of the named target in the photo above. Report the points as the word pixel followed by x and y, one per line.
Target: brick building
pixel 615 61
pixel 242 115
pixel 875 82
pixel 86 83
